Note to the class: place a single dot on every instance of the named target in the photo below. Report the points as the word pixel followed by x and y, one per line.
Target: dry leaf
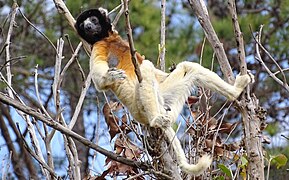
pixel 228 127
pixel 110 119
pixel 193 100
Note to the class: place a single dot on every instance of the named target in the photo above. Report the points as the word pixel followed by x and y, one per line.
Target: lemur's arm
pixel 103 76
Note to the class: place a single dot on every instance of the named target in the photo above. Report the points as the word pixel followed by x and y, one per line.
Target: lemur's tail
pixel 196 169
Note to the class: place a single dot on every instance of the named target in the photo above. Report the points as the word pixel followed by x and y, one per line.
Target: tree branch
pixel 130 41
pixel 162 52
pixel 202 14
pixel 239 37
pixel 259 58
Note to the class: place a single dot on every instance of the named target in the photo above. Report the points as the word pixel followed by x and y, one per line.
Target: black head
pixel 93 25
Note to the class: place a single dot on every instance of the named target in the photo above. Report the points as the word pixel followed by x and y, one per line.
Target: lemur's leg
pixel 177 86
pixel 151 103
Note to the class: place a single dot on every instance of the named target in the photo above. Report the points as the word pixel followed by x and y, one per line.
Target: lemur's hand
pixel 115 74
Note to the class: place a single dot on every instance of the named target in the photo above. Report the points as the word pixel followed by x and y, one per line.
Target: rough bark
pixel 252 117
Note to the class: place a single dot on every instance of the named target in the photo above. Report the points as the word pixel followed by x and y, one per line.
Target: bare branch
pixel 130 40
pixel 259 58
pixel 37 91
pixel 163 36
pixel 57 70
pixel 7 48
pixel 115 21
pixel 202 14
pixel 31 24
pixel 36 157
pixel 238 36
pixel 5 169
pixel 80 101
pixel 77 61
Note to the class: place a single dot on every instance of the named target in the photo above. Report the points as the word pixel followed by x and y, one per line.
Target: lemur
pixel 159 98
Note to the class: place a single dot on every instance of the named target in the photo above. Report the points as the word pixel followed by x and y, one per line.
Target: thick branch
pixel 249 108
pixel 202 14
pixel 239 37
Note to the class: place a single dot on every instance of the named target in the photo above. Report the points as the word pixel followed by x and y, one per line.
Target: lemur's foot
pixel 162 121
pixel 116 74
pixel 243 80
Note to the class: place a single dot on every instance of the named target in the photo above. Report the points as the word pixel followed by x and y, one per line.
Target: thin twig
pixel 67 65
pixel 259 58
pixel 77 61
pixel 35 156
pixel 115 21
pixel 163 36
pixel 76 162
pixel 31 24
pixel 69 155
pixel 285 137
pixel 7 48
pixel 220 123
pixel 37 91
pixel 15 59
pixel 80 100
pixel 202 50
pixel 137 175
pixel 131 44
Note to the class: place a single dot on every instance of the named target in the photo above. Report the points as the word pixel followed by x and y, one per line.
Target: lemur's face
pixel 91 26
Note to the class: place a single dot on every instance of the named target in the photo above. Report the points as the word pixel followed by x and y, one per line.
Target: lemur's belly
pixel 126 92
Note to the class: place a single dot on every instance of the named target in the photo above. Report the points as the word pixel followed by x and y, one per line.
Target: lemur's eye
pixel 94 20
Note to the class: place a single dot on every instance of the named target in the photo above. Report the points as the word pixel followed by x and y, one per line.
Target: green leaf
pixel 272 129
pixel 219 178
pixel 244 162
pixel 225 170
pixel 242 166
pixel 279 160
pixel 175 127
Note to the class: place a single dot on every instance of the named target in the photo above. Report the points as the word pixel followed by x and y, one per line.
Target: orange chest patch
pixel 117 54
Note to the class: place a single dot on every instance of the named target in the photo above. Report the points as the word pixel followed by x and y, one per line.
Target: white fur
pixel 147 101
pixel 103 11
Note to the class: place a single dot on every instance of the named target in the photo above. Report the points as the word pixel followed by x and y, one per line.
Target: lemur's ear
pixel 103 11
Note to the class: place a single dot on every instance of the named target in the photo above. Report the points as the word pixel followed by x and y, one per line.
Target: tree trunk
pixel 253 116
